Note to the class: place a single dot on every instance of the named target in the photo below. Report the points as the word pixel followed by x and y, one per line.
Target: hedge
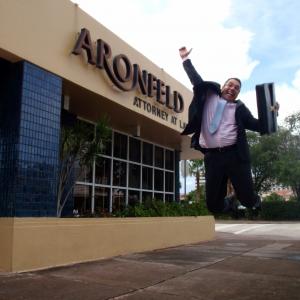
pixel 155 208
pixel 280 210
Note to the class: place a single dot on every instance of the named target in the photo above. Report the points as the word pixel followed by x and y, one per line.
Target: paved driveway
pixel 278 230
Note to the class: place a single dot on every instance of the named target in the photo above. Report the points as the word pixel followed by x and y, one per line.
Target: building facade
pixel 55 61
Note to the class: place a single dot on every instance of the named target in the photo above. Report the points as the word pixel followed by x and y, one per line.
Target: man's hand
pixel 275 108
pixel 183 52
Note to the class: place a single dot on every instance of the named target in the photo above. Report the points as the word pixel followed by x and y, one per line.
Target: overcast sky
pixel 257 41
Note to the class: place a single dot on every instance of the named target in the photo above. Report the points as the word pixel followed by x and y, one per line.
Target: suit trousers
pixel 221 166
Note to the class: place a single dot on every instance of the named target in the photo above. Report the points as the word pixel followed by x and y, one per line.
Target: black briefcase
pixel 267 113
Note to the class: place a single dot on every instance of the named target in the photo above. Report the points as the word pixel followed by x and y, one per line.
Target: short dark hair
pixel 235 78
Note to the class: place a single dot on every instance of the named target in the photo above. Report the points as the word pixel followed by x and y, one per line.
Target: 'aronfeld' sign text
pixel 124 75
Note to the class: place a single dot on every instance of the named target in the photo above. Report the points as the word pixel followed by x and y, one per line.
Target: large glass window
pixel 102 173
pixel 159 196
pixel 83 174
pixel 134 150
pixel 147 178
pixel 120 145
pixel 119 173
pixel 169 160
pixel 134 176
pixel 169 182
pixel 118 200
pixel 133 197
pixel 82 198
pixel 159 180
pixel 147 196
pixel 159 157
pixel 147 154
pixel 107 148
pixel 102 199
pixel 150 174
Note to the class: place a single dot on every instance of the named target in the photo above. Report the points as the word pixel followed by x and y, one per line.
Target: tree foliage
pixel 288 166
pixel 276 157
pixel 264 152
pixel 292 123
pixel 196 168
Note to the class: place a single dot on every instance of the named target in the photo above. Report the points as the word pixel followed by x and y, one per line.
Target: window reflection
pixel 134 150
pixel 147 178
pixel 82 198
pixel 159 180
pixel 120 145
pixel 119 173
pixel 102 172
pixel 159 157
pixel 147 154
pixel 134 176
pixel 169 160
pixel 118 200
pixel 83 173
pixel 159 196
pixel 146 196
pixel 133 198
pixel 102 200
pixel 107 148
pixel 169 183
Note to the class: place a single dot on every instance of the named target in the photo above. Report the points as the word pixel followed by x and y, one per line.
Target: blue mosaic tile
pixel 29 141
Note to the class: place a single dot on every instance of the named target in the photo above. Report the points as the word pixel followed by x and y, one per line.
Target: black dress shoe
pixel 257 205
pixel 230 204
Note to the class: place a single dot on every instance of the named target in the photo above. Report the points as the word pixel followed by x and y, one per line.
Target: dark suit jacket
pixel 243 116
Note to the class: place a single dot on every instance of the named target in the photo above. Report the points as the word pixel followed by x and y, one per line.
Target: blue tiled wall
pixel 30 142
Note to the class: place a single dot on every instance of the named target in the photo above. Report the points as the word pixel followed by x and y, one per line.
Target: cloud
pixel 296 81
pixel 276 41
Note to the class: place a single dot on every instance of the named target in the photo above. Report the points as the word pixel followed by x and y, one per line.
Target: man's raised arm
pixel 193 75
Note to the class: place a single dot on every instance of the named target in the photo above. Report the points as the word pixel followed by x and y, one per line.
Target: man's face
pixel 230 90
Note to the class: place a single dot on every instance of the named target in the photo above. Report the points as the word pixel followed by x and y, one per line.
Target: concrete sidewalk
pixel 233 266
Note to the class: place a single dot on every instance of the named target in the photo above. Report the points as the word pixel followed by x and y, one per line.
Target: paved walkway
pixel 258 261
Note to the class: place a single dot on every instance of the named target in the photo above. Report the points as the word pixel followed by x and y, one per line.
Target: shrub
pixel 191 196
pixel 280 210
pixel 294 198
pixel 156 208
pixel 274 197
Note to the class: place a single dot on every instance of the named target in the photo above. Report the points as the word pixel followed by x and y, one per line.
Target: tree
pixel 264 154
pixel 79 145
pixel 293 123
pixel 276 157
pixel 288 167
pixel 196 168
